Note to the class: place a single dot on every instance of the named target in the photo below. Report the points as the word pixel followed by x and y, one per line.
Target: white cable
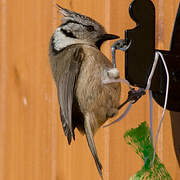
pixel 150 93
pixel 152 72
pixel 122 116
pixel 157 54
pixel 151 114
pixel 109 81
pixel 165 103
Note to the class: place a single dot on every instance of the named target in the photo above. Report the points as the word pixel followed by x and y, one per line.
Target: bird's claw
pixel 123 45
pixel 134 95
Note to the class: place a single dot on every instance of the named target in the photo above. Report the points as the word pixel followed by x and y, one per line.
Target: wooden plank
pixel 32 143
pixel 28 107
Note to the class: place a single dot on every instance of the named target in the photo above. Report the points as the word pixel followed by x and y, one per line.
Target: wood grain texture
pixel 32 143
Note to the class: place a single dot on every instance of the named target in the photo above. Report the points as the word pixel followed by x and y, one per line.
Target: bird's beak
pixel 109 37
pixel 105 37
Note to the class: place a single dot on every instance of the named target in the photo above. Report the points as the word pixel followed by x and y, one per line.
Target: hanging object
pixel 139 56
pixel 140 140
pixel 149 69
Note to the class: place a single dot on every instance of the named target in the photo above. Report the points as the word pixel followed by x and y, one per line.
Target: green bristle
pixel 140 139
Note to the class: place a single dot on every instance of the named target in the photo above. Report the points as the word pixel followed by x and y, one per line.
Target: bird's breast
pixel 92 94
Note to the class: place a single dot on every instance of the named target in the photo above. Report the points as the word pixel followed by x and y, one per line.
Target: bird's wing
pixel 66 86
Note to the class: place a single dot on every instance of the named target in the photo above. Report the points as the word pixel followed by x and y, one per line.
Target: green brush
pixel 140 139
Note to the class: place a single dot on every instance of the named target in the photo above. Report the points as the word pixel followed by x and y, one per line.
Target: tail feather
pixel 90 140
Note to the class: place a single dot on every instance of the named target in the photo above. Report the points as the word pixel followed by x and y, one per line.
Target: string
pixel 121 117
pixel 165 103
pixel 151 114
pixel 157 54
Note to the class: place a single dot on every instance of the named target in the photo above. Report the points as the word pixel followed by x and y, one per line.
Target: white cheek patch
pixel 61 41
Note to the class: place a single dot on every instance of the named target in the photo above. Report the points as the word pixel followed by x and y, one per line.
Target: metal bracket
pixel 139 57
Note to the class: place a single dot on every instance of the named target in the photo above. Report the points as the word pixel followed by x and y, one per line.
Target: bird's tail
pixel 90 140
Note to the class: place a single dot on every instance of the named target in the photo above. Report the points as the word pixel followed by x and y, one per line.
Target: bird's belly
pixel 95 97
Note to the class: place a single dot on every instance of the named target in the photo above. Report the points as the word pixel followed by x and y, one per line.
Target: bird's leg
pixel 113 74
pixel 123 45
pixel 110 76
pixel 135 95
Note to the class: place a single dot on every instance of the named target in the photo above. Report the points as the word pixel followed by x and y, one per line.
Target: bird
pixel 78 68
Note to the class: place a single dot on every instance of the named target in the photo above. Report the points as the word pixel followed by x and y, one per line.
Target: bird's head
pixel 77 28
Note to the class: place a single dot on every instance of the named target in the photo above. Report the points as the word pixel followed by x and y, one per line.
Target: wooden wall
pixel 32 143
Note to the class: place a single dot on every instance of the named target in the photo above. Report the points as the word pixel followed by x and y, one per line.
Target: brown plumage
pixel 78 68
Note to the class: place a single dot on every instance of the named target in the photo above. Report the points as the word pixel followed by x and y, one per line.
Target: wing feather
pixel 66 86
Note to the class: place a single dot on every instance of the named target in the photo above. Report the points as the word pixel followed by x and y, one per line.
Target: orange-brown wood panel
pixel 28 111
pixel 32 143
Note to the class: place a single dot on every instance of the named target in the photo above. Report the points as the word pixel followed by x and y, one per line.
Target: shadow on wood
pixel 175 123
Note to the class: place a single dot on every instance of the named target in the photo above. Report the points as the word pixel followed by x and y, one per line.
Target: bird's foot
pixel 122 44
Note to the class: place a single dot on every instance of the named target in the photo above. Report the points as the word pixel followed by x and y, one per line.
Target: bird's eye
pixel 90 28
